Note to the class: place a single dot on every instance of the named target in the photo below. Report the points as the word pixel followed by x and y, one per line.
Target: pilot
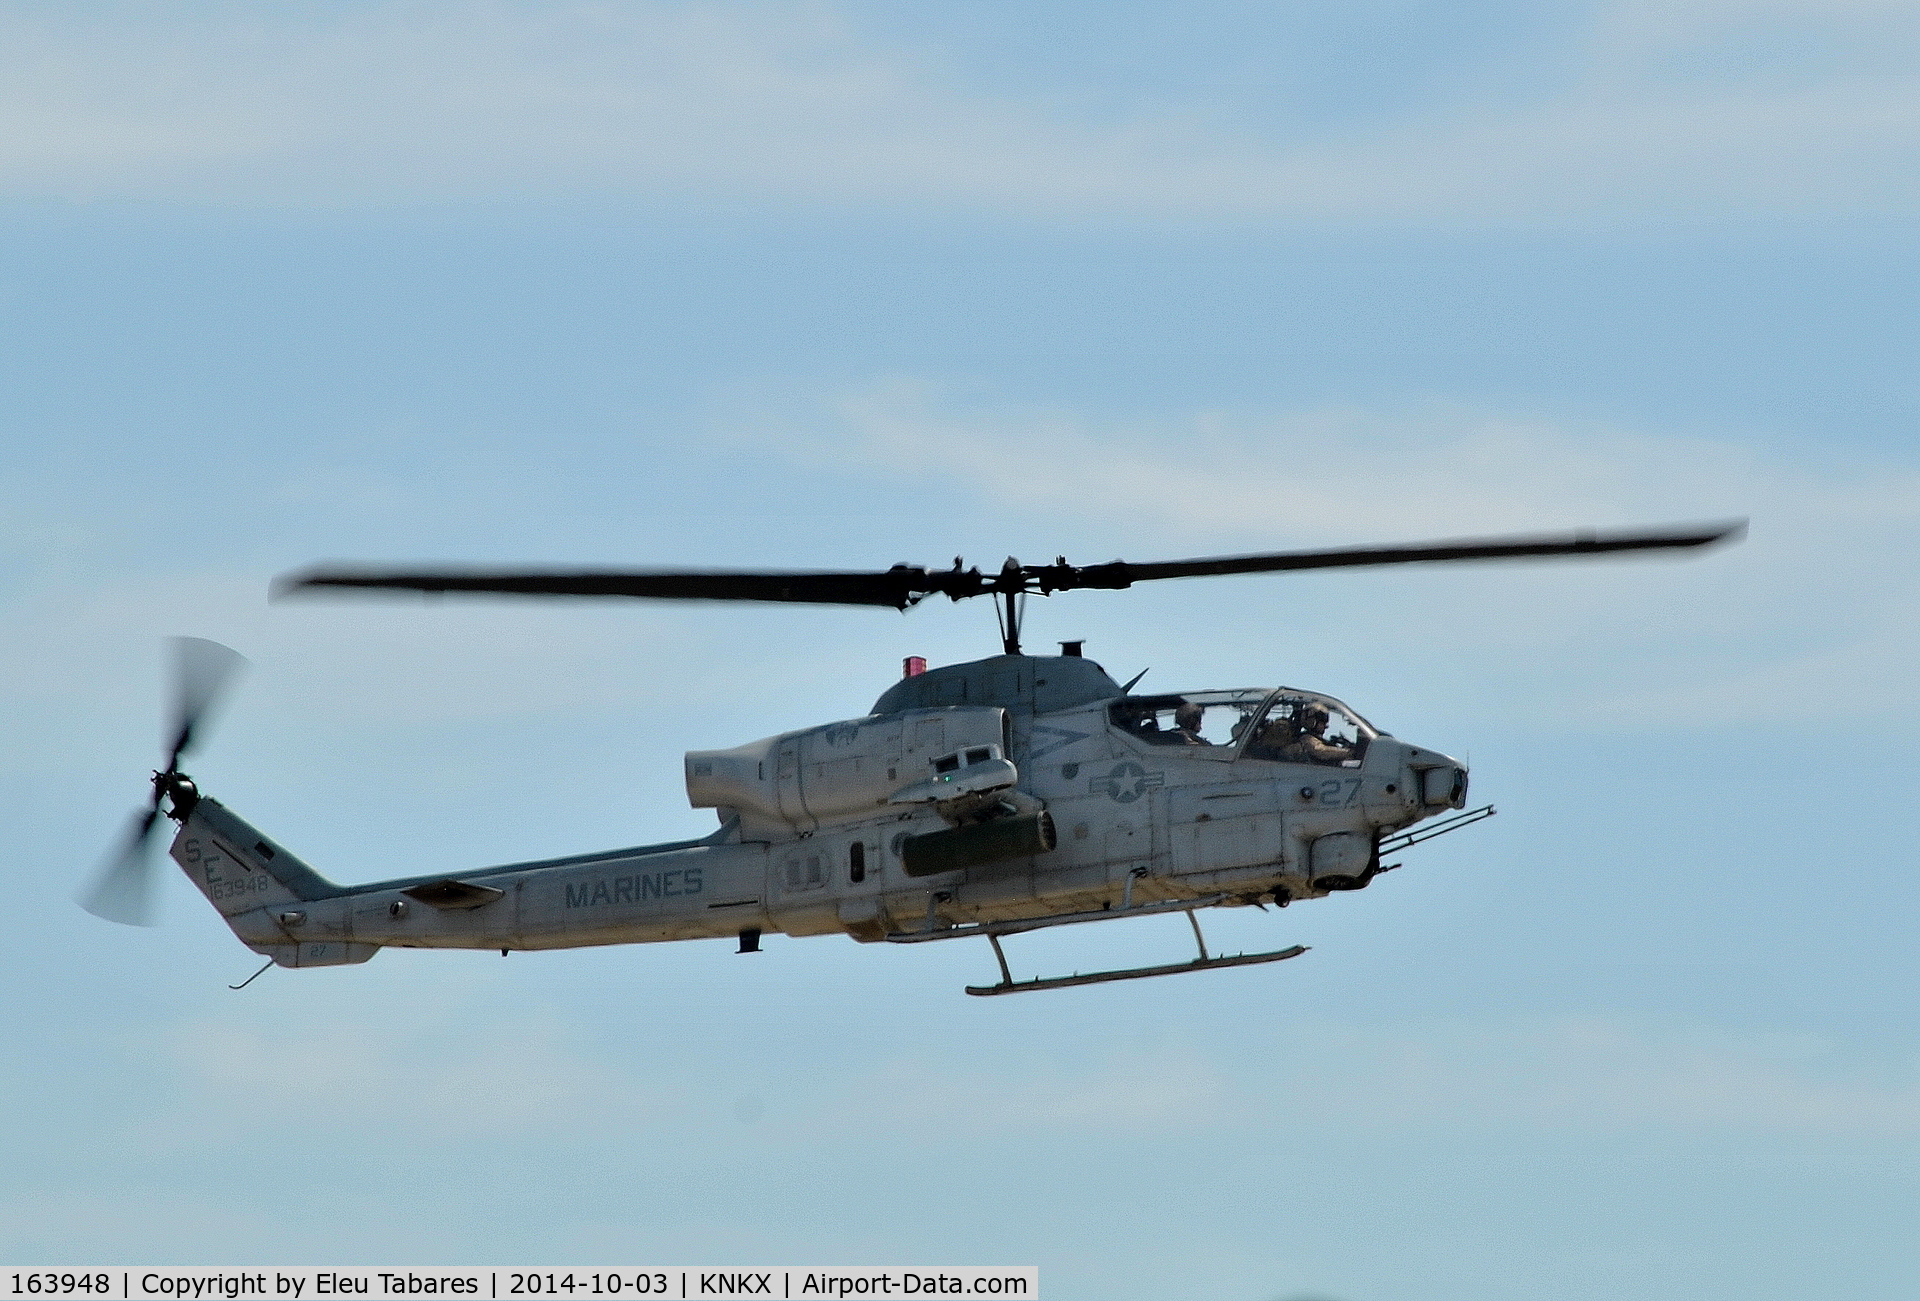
pixel 1186 724
pixel 1310 741
pixel 1300 738
pixel 1274 736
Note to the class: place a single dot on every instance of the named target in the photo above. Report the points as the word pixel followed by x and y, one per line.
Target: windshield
pixel 1210 719
pixel 1302 728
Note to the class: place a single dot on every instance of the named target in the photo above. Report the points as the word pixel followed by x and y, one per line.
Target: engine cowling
pixel 839 772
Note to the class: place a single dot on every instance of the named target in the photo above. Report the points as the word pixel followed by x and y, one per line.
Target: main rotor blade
pixel 896 587
pixel 202 671
pixel 904 585
pixel 1123 573
pixel 122 891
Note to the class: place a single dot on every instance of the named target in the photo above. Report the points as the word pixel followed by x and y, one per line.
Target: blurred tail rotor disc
pixel 122 891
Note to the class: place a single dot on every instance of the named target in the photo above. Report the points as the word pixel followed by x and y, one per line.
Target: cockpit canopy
pixel 1197 718
pixel 1284 726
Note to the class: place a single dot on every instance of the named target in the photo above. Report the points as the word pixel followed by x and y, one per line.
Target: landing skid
pixel 1008 985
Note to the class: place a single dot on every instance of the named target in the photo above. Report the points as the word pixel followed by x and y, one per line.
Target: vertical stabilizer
pixel 265 893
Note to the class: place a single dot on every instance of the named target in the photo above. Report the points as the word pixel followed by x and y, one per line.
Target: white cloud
pixel 1817 597
pixel 433 1080
pixel 1725 109
pixel 425 101
pixel 1599 1076
pixel 1220 473
pixel 432 1063
pixel 1524 1079
pixel 1127 1089
pixel 1520 1079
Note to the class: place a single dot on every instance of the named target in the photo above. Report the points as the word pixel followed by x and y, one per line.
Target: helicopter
pixel 985 799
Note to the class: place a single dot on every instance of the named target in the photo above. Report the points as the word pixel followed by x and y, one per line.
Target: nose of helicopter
pixel 1444 786
pixel 1435 781
pixel 1423 781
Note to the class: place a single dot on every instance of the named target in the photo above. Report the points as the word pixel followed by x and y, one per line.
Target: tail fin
pixel 258 887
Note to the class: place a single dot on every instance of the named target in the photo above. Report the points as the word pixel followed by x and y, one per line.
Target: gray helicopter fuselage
pixel 1017 787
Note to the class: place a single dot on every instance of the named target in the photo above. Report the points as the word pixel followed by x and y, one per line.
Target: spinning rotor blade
pixel 904 586
pixel 202 670
pixel 895 587
pixel 1121 574
pixel 122 891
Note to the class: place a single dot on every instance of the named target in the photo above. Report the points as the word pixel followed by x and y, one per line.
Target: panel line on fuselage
pixel 573 860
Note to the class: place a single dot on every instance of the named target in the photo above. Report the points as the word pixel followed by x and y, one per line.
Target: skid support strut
pixel 1008 985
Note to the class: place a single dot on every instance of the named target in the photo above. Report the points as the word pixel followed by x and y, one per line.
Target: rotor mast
pixel 1010 604
pixel 1008 607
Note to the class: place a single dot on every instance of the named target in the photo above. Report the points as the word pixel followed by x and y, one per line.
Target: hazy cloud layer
pixel 1521 1080
pixel 1723 109
pixel 436 1075
pixel 1223 482
pixel 1524 1080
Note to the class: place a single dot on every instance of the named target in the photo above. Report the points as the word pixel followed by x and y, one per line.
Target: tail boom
pixel 282 909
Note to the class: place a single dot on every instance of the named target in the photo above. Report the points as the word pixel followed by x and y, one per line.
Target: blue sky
pixel 845 285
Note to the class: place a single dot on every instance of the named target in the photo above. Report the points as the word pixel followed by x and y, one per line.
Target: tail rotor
pixel 122 891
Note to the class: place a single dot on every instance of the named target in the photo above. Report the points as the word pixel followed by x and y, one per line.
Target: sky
pixel 851 284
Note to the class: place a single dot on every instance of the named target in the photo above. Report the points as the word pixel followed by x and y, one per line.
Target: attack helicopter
pixel 978 800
